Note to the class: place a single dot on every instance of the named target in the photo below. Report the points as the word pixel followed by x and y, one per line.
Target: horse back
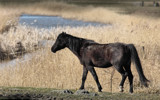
pixel 104 55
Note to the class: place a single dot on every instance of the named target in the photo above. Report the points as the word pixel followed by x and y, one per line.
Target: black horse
pixel 92 54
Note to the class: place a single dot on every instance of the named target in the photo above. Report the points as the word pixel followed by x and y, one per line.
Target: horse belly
pixel 102 64
pixel 99 58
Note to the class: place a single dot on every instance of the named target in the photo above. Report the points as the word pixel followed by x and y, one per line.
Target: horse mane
pixel 76 43
pixel 80 41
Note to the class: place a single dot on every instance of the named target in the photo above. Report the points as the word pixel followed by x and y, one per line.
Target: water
pixel 53 21
pixel 28 56
pixel 16 61
pixel 46 22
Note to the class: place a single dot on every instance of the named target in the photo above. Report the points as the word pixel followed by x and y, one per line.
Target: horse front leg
pixel 84 76
pixel 93 72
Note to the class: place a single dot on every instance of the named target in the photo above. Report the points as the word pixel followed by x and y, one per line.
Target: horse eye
pixel 60 40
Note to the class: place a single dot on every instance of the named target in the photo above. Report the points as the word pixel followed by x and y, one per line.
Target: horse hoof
pixel 81 88
pixel 99 90
pixel 131 92
pixel 121 88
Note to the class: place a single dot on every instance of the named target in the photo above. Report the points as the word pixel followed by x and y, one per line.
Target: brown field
pixel 63 70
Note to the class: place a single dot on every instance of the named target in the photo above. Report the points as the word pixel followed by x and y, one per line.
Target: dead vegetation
pixel 63 70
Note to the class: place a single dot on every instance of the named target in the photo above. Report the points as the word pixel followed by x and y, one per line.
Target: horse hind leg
pixel 124 76
pixel 130 77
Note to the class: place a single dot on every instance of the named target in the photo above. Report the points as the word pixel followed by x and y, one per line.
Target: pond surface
pixel 53 21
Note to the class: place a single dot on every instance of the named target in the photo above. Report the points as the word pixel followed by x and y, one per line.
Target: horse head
pixel 61 42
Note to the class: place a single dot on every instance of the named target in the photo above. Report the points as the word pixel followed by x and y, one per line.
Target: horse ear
pixel 64 32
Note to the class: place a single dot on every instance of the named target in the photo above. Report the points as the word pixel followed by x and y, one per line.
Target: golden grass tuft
pixel 63 70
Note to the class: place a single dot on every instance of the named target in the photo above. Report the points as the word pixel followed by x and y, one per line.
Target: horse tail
pixel 137 62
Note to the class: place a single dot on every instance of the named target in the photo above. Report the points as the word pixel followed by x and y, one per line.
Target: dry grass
pixel 63 70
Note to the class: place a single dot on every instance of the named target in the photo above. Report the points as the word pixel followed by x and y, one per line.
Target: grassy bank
pixel 63 70
pixel 46 93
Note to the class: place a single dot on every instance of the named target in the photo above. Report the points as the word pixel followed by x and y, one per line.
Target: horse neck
pixel 75 44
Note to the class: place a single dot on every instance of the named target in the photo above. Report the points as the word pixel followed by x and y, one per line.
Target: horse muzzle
pixel 54 51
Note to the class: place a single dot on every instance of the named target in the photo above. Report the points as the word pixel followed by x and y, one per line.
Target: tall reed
pixel 63 70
